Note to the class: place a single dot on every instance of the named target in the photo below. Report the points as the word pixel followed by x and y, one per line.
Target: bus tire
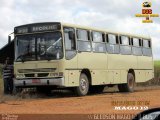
pixel 129 86
pixel 96 89
pixel 83 87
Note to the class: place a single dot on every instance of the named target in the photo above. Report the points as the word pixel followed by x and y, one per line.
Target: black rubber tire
pixel 96 89
pixel 83 87
pixel 129 86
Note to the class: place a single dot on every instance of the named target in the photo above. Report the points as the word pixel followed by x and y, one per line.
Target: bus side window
pixel 83 35
pixel 125 47
pixel 98 44
pixel 147 48
pixel 97 37
pixel 145 44
pixel 70 44
pixel 83 39
pixel 112 44
pixel 136 49
pixel 136 42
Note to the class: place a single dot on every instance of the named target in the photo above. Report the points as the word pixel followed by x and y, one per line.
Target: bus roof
pixel 89 28
pixel 104 30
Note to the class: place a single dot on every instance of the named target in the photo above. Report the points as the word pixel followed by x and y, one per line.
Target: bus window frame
pixel 112 44
pixel 85 41
pixel 102 42
pixel 148 41
pixel 125 45
pixel 139 46
pixel 149 47
pixel 66 50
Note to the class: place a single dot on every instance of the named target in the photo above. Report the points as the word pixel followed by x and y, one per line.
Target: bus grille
pixel 36 70
pixel 37 75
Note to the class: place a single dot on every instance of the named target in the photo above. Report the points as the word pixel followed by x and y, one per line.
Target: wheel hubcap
pixel 83 84
pixel 130 82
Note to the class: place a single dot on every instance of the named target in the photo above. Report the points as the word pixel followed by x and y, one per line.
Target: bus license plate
pixel 36 81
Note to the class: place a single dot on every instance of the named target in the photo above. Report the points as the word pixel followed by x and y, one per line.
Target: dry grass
pixel 157 69
pixel 1 86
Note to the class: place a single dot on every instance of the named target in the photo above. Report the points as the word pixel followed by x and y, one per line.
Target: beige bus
pixel 56 55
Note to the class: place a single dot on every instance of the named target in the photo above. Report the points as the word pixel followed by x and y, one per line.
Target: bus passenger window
pixel 136 49
pixel 97 37
pixel 83 39
pixel 125 40
pixel 146 43
pixel 125 48
pixel 147 48
pixel 136 42
pixel 82 35
pixel 112 44
pixel 112 38
pixel 98 44
pixel 70 44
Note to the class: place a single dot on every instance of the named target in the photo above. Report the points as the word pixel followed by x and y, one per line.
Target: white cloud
pixel 115 15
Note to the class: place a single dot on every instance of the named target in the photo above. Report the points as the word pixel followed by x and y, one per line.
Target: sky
pixel 113 15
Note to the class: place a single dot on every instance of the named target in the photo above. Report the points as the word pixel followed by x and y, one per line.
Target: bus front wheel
pixel 83 87
pixel 129 86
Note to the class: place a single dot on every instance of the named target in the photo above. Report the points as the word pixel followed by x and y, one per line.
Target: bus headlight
pixel 60 73
pixel 54 74
pixel 19 76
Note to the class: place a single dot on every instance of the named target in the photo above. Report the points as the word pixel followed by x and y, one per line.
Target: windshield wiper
pixel 53 44
pixel 45 52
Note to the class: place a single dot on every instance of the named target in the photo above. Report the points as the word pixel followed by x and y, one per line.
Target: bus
pixel 55 55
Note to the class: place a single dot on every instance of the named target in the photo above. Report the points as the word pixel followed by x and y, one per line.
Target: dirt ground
pixel 66 103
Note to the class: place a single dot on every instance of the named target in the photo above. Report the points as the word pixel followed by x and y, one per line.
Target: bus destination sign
pixel 33 28
pixel 44 28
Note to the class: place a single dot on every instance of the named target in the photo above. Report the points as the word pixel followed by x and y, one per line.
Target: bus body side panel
pixel 73 78
pixel 71 72
pixel 96 63
pixel 145 69
pixel 120 64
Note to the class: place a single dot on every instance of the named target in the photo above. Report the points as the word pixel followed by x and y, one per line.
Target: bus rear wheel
pixel 83 87
pixel 129 86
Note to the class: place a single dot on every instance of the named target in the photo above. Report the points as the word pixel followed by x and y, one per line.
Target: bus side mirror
pixel 71 35
pixel 9 39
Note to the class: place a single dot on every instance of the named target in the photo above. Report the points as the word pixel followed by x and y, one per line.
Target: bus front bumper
pixel 39 82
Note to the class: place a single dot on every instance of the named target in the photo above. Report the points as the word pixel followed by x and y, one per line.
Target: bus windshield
pixel 44 46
